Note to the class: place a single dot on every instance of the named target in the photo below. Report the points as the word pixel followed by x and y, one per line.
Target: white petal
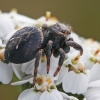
pixel 21 21
pixel 95 72
pixel 29 94
pixel 75 83
pixel 62 73
pixel 30 68
pixel 40 21
pixel 8 36
pixel 25 80
pixel 6 26
pixel 92 94
pixel 75 37
pixel 0 43
pixel 22 18
pixel 73 98
pixel 86 57
pixel 25 67
pixel 20 82
pixel 65 96
pixel 94 84
pixel 17 70
pixel 53 95
pixel 87 74
pixel 6 73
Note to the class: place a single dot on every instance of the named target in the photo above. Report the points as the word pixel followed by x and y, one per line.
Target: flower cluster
pixel 79 74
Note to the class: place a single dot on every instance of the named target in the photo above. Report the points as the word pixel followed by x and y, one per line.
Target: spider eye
pixel 63 31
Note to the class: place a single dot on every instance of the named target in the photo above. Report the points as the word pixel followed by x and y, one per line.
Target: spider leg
pixel 48 54
pixel 75 45
pixel 5 61
pixel 61 60
pixel 56 53
pixel 39 53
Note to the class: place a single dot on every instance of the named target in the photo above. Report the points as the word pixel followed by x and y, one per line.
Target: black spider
pixel 30 42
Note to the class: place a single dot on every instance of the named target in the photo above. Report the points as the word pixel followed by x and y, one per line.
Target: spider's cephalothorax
pixel 58 34
pixel 30 42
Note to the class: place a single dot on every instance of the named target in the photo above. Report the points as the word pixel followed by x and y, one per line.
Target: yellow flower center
pixel 39 80
pixel 48 80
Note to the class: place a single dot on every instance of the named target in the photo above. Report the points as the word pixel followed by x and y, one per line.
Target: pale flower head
pixel 91 56
pixel 21 21
pixel 44 89
pixel 73 74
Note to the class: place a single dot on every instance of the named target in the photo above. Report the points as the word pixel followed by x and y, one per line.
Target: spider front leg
pixel 75 45
pixel 48 54
pixel 36 65
pixel 61 60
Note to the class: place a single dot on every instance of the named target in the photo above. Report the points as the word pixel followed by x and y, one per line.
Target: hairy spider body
pixel 30 42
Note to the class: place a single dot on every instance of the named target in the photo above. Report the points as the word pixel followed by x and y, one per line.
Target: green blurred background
pixel 82 15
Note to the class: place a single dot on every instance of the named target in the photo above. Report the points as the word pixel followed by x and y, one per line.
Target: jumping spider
pixel 30 42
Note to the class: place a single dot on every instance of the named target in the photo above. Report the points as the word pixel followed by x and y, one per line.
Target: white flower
pixel 44 89
pixel 31 94
pixel 95 72
pixel 87 57
pixel 93 91
pixel 73 75
pixel 91 53
pixel 19 20
pixel 90 43
pixel 91 56
pixel 6 73
pixel 6 26
pixel 53 95
pixel 75 83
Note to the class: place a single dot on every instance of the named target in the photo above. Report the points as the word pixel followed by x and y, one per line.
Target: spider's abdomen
pixel 23 45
